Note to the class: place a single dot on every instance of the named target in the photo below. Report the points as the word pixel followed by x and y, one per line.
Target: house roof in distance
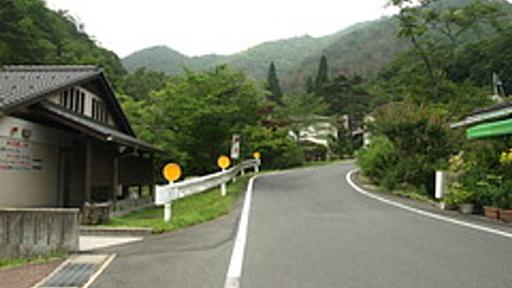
pixel 492 112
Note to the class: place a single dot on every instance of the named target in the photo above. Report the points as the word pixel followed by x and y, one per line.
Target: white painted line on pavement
pixel 237 256
pixel 98 273
pixel 424 213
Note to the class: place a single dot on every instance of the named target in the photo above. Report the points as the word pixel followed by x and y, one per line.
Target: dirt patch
pixel 27 276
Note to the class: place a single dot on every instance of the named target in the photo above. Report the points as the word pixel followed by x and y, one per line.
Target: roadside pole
pixel 223 188
pixel 439 184
pixel 171 172
pixel 223 162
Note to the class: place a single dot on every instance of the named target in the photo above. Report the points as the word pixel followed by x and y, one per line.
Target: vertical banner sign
pixel 235 147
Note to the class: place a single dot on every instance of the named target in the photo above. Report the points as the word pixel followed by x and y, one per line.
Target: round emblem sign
pixel 223 162
pixel 172 172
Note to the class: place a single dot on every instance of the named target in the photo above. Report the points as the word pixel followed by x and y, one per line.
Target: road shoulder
pixel 431 208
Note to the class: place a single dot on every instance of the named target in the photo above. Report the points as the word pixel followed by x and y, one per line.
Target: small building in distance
pixel 65 141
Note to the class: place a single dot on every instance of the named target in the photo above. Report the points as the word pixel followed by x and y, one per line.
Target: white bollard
pixel 439 184
pixel 167 212
pixel 256 169
pixel 242 172
pixel 223 189
pixel 168 208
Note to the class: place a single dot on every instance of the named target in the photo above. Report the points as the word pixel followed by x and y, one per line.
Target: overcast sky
pixel 198 27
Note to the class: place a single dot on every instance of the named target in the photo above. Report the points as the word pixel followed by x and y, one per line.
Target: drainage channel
pixel 76 272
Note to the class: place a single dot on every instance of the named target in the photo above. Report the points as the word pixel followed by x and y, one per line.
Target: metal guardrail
pixel 165 194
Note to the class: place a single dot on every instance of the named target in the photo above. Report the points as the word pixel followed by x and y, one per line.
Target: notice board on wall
pixel 16 155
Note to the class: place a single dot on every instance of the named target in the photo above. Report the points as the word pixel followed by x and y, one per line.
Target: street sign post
pixel 171 172
pixel 235 147
pixel 223 162
pixel 256 155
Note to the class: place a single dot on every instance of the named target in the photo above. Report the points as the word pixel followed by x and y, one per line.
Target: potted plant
pixel 492 212
pixel 489 195
pixel 506 215
pixel 462 198
pixel 505 202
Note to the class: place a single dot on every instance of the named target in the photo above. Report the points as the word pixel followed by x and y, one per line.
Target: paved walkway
pixel 89 243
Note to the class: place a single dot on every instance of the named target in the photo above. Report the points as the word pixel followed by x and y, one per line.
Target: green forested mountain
pixel 30 33
pixel 254 60
pixel 294 57
pixel 361 51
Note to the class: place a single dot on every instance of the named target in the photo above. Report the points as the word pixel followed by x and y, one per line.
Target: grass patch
pixel 402 191
pixel 16 262
pixel 187 211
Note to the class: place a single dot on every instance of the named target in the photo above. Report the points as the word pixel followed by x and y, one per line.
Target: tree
pixel 142 82
pixel 347 96
pixel 323 73
pixel 300 109
pixel 310 85
pixel 195 115
pixel 426 22
pixel 273 84
pixel 30 33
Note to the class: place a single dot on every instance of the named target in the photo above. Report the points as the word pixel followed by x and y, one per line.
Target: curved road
pixel 310 228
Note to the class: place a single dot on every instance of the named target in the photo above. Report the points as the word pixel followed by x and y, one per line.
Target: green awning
pixel 489 130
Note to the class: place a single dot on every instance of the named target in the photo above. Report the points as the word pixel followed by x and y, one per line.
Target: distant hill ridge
pixel 362 49
pixel 293 57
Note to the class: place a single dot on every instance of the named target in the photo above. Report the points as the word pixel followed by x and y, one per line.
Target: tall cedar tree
pixel 273 84
pixel 322 77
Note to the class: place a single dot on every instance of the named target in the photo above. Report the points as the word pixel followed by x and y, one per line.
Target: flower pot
pixel 445 206
pixel 466 208
pixel 492 212
pixel 506 215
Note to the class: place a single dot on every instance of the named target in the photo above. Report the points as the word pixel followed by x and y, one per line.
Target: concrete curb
pixel 114 231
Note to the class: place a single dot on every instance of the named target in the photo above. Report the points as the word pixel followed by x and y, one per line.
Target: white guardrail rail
pixel 165 194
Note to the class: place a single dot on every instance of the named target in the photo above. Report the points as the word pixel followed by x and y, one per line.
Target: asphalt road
pixel 310 228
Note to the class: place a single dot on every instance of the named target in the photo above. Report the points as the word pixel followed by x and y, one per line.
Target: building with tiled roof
pixel 65 141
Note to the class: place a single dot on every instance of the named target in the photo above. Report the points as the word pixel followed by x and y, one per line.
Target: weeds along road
pixel 310 228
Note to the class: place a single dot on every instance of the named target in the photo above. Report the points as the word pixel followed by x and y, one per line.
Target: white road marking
pixel 98 273
pixel 425 213
pixel 237 257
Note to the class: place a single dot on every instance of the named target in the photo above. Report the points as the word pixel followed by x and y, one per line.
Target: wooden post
pixel 88 170
pixel 152 178
pixel 115 180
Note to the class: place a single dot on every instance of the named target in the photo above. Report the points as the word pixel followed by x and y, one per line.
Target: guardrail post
pixel 168 212
pixel 242 172
pixel 223 187
pixel 168 208
pixel 256 168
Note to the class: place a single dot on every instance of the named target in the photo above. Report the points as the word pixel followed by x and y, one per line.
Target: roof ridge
pixel 47 68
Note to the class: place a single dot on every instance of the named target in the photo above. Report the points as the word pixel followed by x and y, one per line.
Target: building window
pixel 73 99
pixel 99 112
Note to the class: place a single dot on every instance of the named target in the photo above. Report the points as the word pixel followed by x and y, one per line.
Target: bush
pixel 422 142
pixel 277 149
pixel 459 195
pixel 378 160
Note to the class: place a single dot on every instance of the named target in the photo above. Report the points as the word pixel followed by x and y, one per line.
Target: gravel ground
pixel 26 276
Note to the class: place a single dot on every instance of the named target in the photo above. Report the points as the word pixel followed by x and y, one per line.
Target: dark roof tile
pixel 21 84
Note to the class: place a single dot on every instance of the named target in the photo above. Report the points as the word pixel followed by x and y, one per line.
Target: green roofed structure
pixel 493 121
